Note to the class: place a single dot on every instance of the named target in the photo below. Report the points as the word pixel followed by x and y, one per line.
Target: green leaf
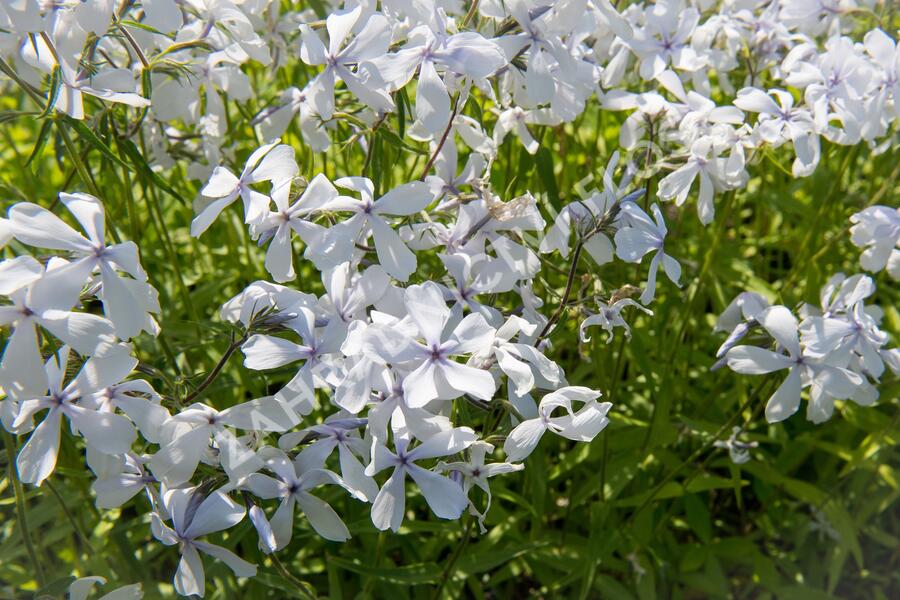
pixel 91 138
pixel 55 85
pixel 144 169
pixel 142 26
pixel 491 558
pixel 846 528
pixel 417 574
pixel 395 140
pixel 544 163
pixel 43 136
pixel 277 582
pixel 7 116
pixel 55 588
pixel 697 515
pixel 673 489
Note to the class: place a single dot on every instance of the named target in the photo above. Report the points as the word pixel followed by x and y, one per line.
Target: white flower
pixel 123 478
pixel 555 72
pixel 269 352
pixel 81 588
pixel 194 516
pixel 273 162
pixel 474 276
pixel 407 199
pixel 641 236
pixel 186 438
pixel 738 318
pixel 476 472
pixel 126 303
pixel 287 219
pixel 37 303
pixel 703 162
pixel 738 451
pixel 107 432
pixel 834 85
pixel 371 41
pixel 516 119
pixel 468 54
pixel 340 434
pixel 584 216
pixel 274 121
pixel 445 497
pixel 582 425
pixel 828 381
pixel 436 374
pixel 350 292
pixel 292 488
pixel 138 400
pixel 523 364
pixel 781 122
pixel 885 56
pixel 877 230
pixel 446 185
pixel 609 318
pixel 67 36
pixel 665 39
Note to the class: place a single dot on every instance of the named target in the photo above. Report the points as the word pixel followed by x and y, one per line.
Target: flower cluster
pixel 380 360
pixel 836 350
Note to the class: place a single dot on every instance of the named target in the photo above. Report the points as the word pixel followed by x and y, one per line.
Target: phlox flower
pixel 263 351
pixel 292 485
pixel 107 432
pixel 127 303
pixel 782 121
pixel 335 434
pixel 272 162
pixel 373 36
pixel 665 39
pixel 435 374
pixel 475 472
pixel 194 516
pixel 370 216
pixel 828 381
pixel 516 120
pixel 876 229
pixel 81 588
pixel 524 365
pixel 582 425
pixel 640 236
pixel 610 317
pixel 429 49
pixel 444 496
pixel 287 219
pixel 35 303
pixel 186 436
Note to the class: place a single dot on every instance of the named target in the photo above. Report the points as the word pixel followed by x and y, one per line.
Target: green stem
pixel 10 442
pixel 659 414
pixel 76 159
pixel 448 570
pixel 565 298
pixel 303 588
pixel 442 141
pixel 70 516
pixel 235 344
pixel 699 452
pixel 153 203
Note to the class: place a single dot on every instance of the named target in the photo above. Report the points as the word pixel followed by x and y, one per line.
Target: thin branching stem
pixel 451 563
pixel 211 377
pixel 442 141
pixel 570 279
